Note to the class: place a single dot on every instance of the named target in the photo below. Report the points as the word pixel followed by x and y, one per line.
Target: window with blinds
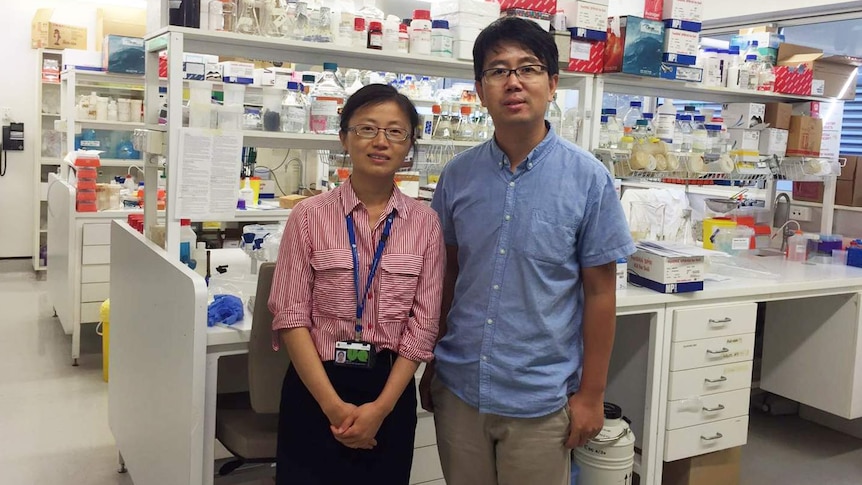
pixel 851 128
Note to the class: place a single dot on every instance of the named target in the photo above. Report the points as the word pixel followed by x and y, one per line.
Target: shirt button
pixel 508 217
pixel 502 251
pixel 529 165
pixel 484 357
pixel 511 184
pixel 490 321
pixel 496 287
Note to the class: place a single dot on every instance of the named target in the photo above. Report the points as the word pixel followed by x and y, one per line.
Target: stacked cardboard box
pixel 682 22
pixel 586 24
pixel 634 46
pixel 466 19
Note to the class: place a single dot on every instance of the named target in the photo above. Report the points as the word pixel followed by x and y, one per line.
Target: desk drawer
pixel 96 255
pixel 426 465
pixel 97 234
pixel 96 273
pixel 90 312
pixel 95 292
pixel 713 351
pixel 713 321
pixel 706 409
pixel 709 380
pixel 705 438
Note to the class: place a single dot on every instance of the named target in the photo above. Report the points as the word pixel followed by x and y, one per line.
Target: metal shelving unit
pixel 46 116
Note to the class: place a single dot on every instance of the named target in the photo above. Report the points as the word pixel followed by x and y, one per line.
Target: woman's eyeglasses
pixel 371 131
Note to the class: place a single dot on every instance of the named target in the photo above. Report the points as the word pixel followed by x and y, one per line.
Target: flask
pixel 420 32
pixel 465 130
pixel 443 126
pixel 247 21
pixel 294 110
pixel 327 98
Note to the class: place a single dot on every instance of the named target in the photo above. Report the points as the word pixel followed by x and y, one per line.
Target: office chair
pixel 249 429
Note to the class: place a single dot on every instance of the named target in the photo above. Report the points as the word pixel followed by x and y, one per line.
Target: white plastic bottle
pixel 633 114
pixel 246 193
pixel 188 240
pixel 327 98
pixel 665 121
pixel 684 130
pixel 441 39
pixel 699 134
pixel 420 32
pixel 390 33
pixel 199 255
pixel 752 68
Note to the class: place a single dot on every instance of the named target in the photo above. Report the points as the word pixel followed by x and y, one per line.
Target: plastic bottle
pixel 466 129
pixel 199 256
pixel 666 121
pixel 443 127
pixel 711 67
pixel 308 81
pixel 294 110
pixel 753 50
pixel 222 15
pixel 729 62
pixel 699 134
pixel 188 240
pixel 633 114
pixel 441 39
pixel 420 32
pixel 737 76
pixel 327 98
pixel 426 87
pixel 554 115
pixel 641 131
pixel 375 36
pixel 246 193
pixel 615 129
pixel 797 247
pixel 369 11
pixel 360 37
pixel 765 77
pixel 684 128
pixel 604 134
pixel 650 126
pixel 752 67
pixel 403 39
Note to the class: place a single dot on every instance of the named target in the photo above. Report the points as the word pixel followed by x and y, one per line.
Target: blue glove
pixel 225 309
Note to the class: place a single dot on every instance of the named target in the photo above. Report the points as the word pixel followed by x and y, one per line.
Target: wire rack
pixel 620 161
pixel 809 168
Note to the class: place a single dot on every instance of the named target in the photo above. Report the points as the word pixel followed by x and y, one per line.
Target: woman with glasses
pixel 356 301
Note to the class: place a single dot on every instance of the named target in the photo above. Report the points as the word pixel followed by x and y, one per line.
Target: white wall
pixel 753 11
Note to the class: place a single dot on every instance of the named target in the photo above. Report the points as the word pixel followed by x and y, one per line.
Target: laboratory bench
pixel 681 367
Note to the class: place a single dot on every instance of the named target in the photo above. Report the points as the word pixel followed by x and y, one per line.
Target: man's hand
pixel 587 414
pixel 425 387
pixel 362 428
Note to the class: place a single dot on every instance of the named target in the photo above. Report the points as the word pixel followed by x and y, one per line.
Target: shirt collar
pixel 534 157
pixel 397 200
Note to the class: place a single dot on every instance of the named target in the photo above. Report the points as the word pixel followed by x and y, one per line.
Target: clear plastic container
pixel 649 117
pixel 715 146
pixel 369 11
pixel 797 247
pixel 200 104
pixel 554 115
pixel 327 98
pixel 443 129
pixel 466 128
pixel 686 133
pixel 752 68
pixel 294 110
pixel 633 114
pixel 231 111
pixel 641 131
pixel 272 97
pixel 247 21
pixel 441 39
pixel 699 135
pixel 604 134
pixel 615 129
pixel 765 77
pixel 300 21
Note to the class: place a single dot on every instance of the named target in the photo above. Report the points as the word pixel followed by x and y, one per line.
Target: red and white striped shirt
pixel 313 285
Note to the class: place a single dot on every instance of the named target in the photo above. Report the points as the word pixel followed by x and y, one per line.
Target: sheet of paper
pixel 207 181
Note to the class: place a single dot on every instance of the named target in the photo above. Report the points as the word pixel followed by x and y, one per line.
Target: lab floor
pixel 54 417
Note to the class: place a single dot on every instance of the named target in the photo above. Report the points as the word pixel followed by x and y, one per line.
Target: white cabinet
pixel 717 321
pixel 709 380
pixel 713 351
pixel 705 438
pixel 46 145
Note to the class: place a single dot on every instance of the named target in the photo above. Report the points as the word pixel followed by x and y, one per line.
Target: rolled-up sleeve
pixel 420 334
pixel 290 297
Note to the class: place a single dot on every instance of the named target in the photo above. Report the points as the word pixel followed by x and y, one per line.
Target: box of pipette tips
pixel 666 274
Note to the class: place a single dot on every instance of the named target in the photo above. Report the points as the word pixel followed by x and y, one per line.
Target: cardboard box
pixel 123 55
pixel 716 468
pixel 848 171
pixel 743 115
pixel 586 56
pixel 543 19
pixel 793 80
pixel 584 15
pixel 83 60
pixel 830 145
pixel 777 115
pixel 466 20
pixel 51 35
pixel 844 192
pixel 745 144
pixel 666 274
pixel 759 29
pixel 808 191
pixel 472 7
pixel 290 201
pixel 831 112
pixel 634 46
pixel 773 141
pixel 237 72
pixel 124 21
pixel 681 73
pixel 683 14
pixel 839 75
pixel 804 137
pixel 680 46
pixel 648 9
pixel 545 6
pixel 857 188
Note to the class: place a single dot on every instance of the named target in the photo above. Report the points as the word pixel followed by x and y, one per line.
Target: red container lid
pixel 359 23
pixel 185 222
pixel 421 14
pixel 375 25
pixel 402 28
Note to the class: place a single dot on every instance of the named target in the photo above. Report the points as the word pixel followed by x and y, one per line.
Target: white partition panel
pixel 158 358
pixel 61 217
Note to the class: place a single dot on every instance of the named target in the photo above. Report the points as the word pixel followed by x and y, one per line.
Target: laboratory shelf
pixel 109 125
pixel 50 161
pixel 114 162
pixel 620 83
pixel 53 115
pixel 314 53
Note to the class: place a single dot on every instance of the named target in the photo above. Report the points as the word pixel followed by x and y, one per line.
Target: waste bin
pixel 103 329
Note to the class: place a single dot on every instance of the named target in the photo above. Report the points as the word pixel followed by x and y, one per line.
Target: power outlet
pixel 800 213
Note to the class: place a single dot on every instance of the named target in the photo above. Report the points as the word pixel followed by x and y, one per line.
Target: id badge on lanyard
pixel 356 352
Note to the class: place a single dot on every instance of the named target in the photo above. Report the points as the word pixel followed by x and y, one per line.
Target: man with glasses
pixel 533 229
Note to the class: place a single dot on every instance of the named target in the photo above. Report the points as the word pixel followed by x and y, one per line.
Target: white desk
pixel 164 358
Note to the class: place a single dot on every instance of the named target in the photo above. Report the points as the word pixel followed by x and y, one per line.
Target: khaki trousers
pixel 486 449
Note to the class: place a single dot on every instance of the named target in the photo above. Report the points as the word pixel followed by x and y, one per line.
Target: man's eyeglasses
pixel 371 131
pixel 527 74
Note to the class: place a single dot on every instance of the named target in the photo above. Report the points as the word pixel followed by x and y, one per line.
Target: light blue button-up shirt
pixel 514 345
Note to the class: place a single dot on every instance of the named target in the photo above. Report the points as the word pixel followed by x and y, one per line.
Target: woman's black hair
pixel 520 31
pixel 375 94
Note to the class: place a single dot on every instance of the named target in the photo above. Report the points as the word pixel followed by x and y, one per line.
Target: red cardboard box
pixel 791 80
pixel 808 191
pixel 648 9
pixel 546 6
pixel 586 56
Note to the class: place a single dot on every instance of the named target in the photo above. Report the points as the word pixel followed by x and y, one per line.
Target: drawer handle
pixel 716 409
pixel 723 350
pixel 718 322
pixel 715 381
pixel 716 436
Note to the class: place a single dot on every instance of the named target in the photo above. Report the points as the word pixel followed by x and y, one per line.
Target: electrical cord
pixel 4 163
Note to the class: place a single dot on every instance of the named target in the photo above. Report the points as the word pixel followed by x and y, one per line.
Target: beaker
pixel 646 220
pixel 200 104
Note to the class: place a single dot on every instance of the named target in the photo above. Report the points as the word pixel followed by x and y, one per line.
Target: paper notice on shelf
pixel 207 187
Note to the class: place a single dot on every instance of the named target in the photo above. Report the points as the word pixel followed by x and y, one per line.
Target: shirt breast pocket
pixel 399 278
pixel 550 240
pixel 333 294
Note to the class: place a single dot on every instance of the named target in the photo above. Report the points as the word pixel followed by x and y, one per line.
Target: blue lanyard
pixel 351 234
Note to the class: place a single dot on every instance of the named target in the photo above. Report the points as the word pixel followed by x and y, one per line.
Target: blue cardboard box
pixel 641 41
pixel 123 55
